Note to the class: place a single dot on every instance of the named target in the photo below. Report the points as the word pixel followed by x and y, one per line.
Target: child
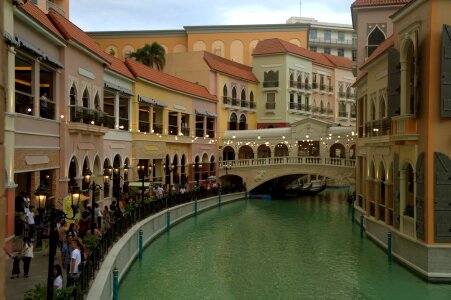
pixel 16 264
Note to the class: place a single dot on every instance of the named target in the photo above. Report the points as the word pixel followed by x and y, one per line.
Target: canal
pixel 304 248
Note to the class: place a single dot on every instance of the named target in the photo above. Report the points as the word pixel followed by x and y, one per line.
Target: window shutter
pixel 420 197
pixel 416 79
pixel 394 83
pixel 446 72
pixel 442 201
pixel 396 191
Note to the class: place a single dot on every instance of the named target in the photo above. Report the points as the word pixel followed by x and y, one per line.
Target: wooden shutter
pixel 442 199
pixel 446 72
pixel 396 191
pixel 394 83
pixel 420 197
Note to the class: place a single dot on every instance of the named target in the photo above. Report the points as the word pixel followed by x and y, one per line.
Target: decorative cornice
pixel 135 33
pixel 247 28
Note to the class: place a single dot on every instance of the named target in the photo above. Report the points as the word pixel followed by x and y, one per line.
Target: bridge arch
pixel 263 151
pixel 245 152
pixel 228 153
pixel 280 150
pixel 337 150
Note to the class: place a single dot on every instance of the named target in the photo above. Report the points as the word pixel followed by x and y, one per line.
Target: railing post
pixel 140 243
pixel 219 198
pixel 195 207
pixel 361 226
pixel 389 246
pixel 168 220
pixel 115 284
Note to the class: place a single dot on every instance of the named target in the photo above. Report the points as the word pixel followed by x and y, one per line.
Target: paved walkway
pixel 16 288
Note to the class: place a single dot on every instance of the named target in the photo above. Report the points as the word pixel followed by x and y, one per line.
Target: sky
pixel 107 15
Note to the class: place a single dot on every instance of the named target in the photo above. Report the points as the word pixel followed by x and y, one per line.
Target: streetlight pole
pixel 41 196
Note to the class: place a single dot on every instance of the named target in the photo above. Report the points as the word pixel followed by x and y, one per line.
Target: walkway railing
pixel 289 160
pixel 133 214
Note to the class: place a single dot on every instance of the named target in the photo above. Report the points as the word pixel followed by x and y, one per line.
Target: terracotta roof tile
pixel 229 67
pixel 71 32
pixel 119 66
pixel 339 61
pixel 366 3
pixel 275 46
pixel 389 42
pixel 171 82
pixel 37 14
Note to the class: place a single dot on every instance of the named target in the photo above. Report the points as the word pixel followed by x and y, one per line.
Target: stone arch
pixel 224 90
pixel 237 51
pixel 183 176
pixel 199 46
pixel 117 164
pixel 85 169
pixel 179 48
pixel 112 50
pixel 73 171
pixel 228 153
pixel 175 169
pixel 263 151
pixel 218 48
pixel 337 150
pixel 86 98
pixel 233 121
pixel 281 150
pixel 243 94
pixel 97 169
pixel 407 189
pixel 375 37
pixel 243 122
pixel 245 152
pixel 382 107
pixel 295 41
pixel 352 151
pixel 212 165
pixel 252 45
pixel 127 50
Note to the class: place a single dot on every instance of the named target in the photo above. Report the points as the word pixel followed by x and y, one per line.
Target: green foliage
pixel 112 52
pixel 90 241
pixel 151 55
pixel 39 292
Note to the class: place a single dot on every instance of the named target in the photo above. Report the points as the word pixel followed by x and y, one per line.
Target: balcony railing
pixel 47 109
pixel 211 133
pixel 123 124
pixel 157 128
pixel 315 85
pixel 293 83
pixel 24 103
pixel 252 105
pixel 268 84
pixel 185 131
pixel 235 102
pixel 270 105
pixel 353 115
pixel 199 132
pixel 293 105
pixel 377 128
pixel 350 95
pixel 308 87
pixel 227 100
pixel 322 87
pixel 244 103
pixel 144 126
pixel 343 114
pixel 341 94
pixel 173 130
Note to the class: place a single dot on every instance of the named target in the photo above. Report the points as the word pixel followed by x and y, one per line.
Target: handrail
pixel 289 160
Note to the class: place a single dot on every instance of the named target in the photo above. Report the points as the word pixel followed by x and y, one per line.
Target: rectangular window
pixel 354 55
pixel 199 126
pixel 271 101
pixel 327 35
pixel 313 48
pixel 313 33
pixel 123 112
pixel 341 36
pixel 341 52
pixel 326 50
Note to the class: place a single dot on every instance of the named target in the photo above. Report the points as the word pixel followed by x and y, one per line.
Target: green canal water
pixel 305 248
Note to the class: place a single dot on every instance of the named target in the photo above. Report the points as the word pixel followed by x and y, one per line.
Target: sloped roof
pixel 389 42
pixel 339 61
pixel 275 45
pixel 71 32
pixel 33 11
pixel 370 3
pixel 229 67
pixel 166 80
pixel 360 77
pixel 119 66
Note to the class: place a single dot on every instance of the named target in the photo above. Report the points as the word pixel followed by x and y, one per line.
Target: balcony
pixel 87 121
pixel 173 129
pixel 331 90
pixel 293 84
pixel 185 131
pixel 252 105
pixel 343 114
pixel 144 126
pixel 226 100
pixel 341 94
pixel 353 115
pixel 199 132
pixel 350 95
pixel 270 84
pixel 235 102
pixel 342 43
pixel 293 105
pixel 315 86
pixel 405 128
pixel 377 128
pixel 244 104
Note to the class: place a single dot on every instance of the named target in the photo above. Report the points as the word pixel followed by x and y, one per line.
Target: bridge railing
pixel 289 160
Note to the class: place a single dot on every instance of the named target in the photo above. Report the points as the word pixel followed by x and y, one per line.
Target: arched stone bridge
pixel 259 170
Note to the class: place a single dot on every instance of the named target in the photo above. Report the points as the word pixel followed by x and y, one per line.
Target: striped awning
pixel 151 101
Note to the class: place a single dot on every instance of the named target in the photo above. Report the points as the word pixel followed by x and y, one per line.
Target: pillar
pixel 116 110
pixel 377 196
pixel 151 109
pixel 35 87
pixel 403 88
pixel 165 121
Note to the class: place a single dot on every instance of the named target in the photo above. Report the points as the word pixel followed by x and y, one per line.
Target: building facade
pixel 403 157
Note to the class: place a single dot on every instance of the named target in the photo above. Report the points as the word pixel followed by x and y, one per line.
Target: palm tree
pixel 151 55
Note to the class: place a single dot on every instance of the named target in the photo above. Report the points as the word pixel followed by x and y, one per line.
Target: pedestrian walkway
pixel 16 288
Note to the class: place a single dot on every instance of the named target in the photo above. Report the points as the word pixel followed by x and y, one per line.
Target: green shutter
pixel 419 203
pixel 394 83
pixel 446 72
pixel 442 199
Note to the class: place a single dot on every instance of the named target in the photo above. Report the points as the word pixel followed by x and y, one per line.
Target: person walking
pixel 98 215
pixel 57 274
pixel 106 217
pixel 27 255
pixel 75 262
pixel 66 252
pixel 16 264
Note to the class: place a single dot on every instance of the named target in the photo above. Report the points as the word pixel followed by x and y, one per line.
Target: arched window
pixel 381 107
pixel 271 79
pixel 375 38
pixel 251 100
pixel 233 122
pixel 243 125
pixel 299 82
pixel 224 91
pixel 292 83
pixel 373 111
pixel 243 98
pixel 234 96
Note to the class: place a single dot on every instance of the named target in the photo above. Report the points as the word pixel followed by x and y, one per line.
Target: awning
pixel 151 101
pixel 118 88
pixel 19 42
pixel 201 112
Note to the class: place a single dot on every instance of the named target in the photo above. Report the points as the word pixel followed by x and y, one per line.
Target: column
pixel 179 123
pixel 403 87
pixel 205 126
pixel 368 195
pixel 165 122
pixel 377 195
pixel 402 196
pixel 388 202
pixel 116 110
pixel 35 87
pixel 151 118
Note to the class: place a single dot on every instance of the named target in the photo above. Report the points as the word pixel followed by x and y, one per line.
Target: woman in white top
pixel 57 274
